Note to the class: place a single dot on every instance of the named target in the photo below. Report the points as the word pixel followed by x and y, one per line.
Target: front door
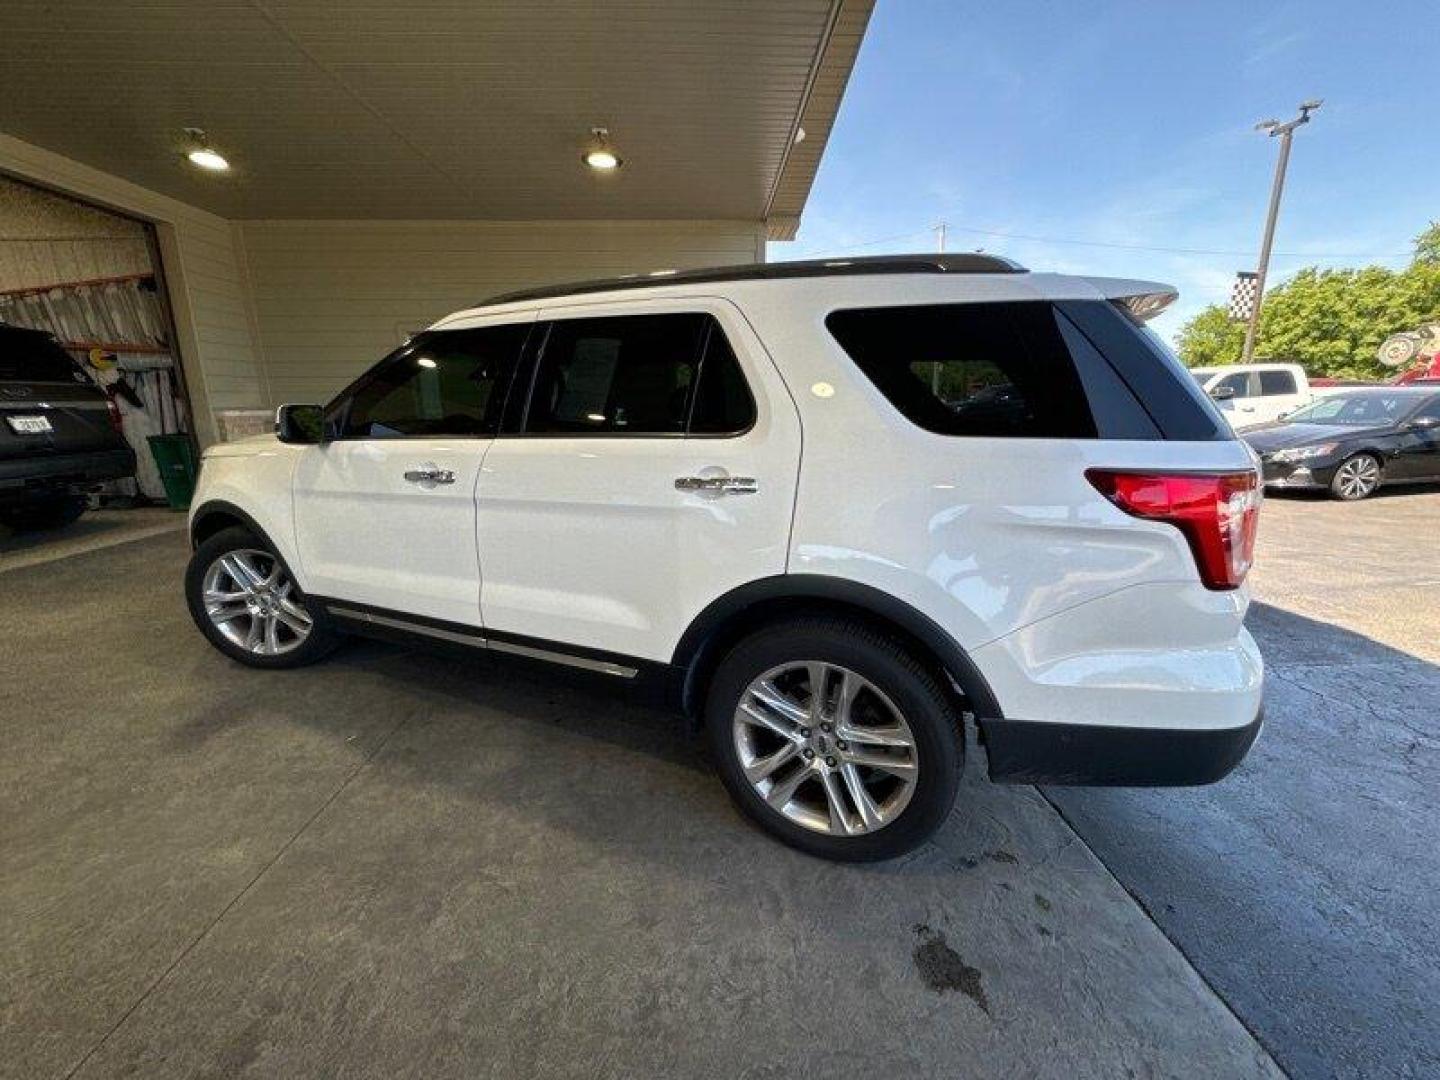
pixel 1418 454
pixel 1242 407
pixel 655 470
pixel 385 512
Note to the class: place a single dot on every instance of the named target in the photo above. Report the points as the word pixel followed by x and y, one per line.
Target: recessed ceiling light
pixel 601 155
pixel 201 154
pixel 208 159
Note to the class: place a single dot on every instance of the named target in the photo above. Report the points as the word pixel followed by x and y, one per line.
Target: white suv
pixel 835 508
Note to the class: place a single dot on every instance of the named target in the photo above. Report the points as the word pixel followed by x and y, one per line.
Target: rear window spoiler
pixel 1142 299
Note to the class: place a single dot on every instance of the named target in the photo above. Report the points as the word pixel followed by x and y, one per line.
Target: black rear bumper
pixel 24 478
pixel 1026 752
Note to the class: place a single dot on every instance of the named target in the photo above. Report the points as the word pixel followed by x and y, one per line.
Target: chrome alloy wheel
pixel 826 748
pixel 1358 477
pixel 248 597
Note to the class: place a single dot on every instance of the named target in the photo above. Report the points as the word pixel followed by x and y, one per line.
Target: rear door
pixel 385 512
pixel 653 470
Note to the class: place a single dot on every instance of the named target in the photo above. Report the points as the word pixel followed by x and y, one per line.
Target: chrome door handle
pixel 429 474
pixel 724 485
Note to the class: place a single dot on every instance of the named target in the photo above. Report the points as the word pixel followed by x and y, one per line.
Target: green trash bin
pixel 175 458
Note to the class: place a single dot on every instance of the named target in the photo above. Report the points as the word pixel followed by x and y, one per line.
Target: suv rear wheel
pixel 835 739
pixel 244 599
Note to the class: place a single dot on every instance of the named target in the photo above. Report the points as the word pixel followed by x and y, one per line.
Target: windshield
pixel 1368 408
pixel 1202 375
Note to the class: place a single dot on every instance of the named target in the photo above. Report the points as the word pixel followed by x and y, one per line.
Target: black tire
pixel 1351 481
pixel 911 688
pixel 319 643
pixel 49 514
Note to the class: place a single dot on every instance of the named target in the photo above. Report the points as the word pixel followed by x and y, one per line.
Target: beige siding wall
pixel 331 298
pixel 274 311
pixel 47 239
pixel 203 265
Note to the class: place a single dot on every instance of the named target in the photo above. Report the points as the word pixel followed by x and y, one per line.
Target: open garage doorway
pixel 88 367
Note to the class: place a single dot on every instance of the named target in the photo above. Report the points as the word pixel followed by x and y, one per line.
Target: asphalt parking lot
pixel 391 864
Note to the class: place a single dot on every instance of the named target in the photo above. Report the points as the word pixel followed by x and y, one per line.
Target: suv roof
pixel 807 268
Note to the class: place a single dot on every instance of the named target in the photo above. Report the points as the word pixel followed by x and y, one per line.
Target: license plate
pixel 29 425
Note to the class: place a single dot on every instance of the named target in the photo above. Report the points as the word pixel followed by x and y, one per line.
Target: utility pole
pixel 1285 131
pixel 940 232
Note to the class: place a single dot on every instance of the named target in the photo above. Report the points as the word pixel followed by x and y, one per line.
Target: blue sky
pixel 1132 124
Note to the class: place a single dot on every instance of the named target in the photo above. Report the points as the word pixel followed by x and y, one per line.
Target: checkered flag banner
pixel 1242 296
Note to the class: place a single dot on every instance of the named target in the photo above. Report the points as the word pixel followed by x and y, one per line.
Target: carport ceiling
pixel 439 108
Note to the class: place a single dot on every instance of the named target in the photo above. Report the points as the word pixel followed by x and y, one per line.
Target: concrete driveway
pixel 1305 886
pixel 393 864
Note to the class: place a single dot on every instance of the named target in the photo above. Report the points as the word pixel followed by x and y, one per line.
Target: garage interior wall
pixel 332 297
pixel 46 238
pixel 203 270
pixel 274 311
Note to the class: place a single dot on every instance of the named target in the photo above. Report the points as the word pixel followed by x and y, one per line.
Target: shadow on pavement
pixel 1304 886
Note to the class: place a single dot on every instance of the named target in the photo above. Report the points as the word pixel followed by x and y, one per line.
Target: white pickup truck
pixel 1253 394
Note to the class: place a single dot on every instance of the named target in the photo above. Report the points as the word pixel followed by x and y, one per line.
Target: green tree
pixel 1330 321
pixel 1212 338
pixel 1427 245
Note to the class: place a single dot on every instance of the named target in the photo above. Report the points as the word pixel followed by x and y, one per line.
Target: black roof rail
pixel 871 264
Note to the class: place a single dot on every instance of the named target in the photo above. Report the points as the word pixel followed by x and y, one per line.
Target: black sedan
pixel 1352 441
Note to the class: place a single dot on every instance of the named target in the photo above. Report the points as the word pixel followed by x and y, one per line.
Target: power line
pixel 869 243
pixel 1119 247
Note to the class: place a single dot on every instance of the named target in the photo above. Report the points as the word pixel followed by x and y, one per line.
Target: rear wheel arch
pixel 751 607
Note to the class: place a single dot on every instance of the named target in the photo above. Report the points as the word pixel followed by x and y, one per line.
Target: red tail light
pixel 115 416
pixel 1217 512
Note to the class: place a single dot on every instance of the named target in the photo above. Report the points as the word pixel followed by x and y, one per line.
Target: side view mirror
pixel 300 423
pixel 1223 393
pixel 1425 423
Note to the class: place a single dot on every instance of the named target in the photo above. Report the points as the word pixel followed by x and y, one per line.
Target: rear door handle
pixel 429 474
pixel 721 485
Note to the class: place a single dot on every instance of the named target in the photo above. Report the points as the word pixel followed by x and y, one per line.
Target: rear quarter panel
pixel 984 535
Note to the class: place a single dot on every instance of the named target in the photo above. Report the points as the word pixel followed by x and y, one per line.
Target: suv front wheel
pixel 835 739
pixel 244 599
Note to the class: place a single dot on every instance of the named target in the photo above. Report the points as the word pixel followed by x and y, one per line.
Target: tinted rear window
pixel 1021 369
pixel 30 356
pixel 1154 374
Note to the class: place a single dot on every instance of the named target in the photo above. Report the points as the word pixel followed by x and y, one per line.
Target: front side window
pixel 444 382
pixel 1238 384
pixel 1429 411
pixel 1019 369
pixel 1273 383
pixel 638 375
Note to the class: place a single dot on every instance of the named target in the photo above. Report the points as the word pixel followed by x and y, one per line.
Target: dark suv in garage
pixel 59 433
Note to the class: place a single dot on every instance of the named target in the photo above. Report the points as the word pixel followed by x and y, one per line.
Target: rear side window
pixel 1019 369
pixel 1276 382
pixel 638 375
pixel 33 356
pixel 1154 374
pixel 722 403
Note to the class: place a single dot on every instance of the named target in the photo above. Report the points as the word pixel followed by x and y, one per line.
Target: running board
pixel 477 640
